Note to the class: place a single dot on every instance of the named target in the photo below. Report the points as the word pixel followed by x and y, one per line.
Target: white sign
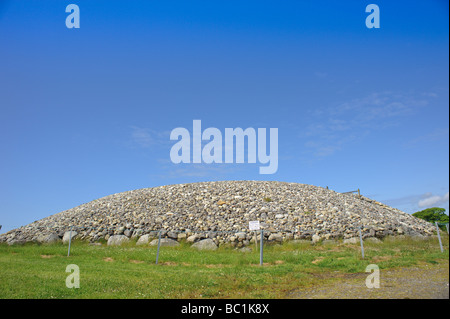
pixel 253 225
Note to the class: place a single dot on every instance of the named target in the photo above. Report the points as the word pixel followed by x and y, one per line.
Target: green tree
pixel 432 215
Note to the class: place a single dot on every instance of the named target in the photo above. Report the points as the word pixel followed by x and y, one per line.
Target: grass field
pixel 39 271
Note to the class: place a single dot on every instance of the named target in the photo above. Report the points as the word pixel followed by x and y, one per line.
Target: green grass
pixel 38 271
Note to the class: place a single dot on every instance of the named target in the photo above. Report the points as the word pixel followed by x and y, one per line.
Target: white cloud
pixel 435 200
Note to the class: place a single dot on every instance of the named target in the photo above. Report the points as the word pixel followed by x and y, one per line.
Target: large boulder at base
pixel 49 239
pixel 68 235
pixel 117 240
pixel 15 242
pixel 165 242
pixel 205 244
pixel 353 240
pixel 143 240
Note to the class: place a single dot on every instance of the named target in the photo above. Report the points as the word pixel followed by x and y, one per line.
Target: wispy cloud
pixel 414 203
pixel 334 127
pixel 436 135
pixel 372 110
pixel 434 200
pixel 410 200
pixel 145 137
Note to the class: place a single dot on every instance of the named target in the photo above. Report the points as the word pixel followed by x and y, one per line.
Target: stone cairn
pixel 220 212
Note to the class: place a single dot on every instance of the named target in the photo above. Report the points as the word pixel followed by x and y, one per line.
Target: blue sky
pixel 88 112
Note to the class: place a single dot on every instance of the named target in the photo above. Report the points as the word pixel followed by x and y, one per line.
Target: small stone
pixel 289 236
pixel 127 233
pixel 192 238
pixel 276 237
pixel 172 234
pixel 315 238
pixel 154 234
pixel 241 236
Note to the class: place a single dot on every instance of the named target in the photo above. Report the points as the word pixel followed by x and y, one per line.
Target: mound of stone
pixel 221 212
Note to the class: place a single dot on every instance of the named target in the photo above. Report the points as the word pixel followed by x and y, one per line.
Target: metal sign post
pixel 439 236
pixel 159 243
pixel 261 248
pixel 70 241
pixel 361 240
